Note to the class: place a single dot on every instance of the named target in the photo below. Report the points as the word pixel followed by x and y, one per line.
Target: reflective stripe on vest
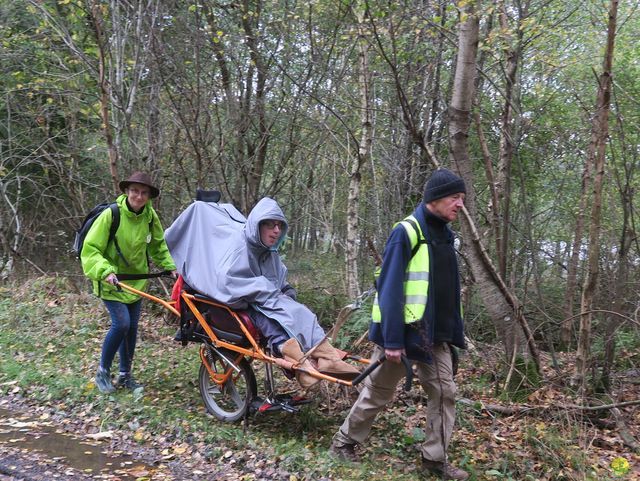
pixel 416 278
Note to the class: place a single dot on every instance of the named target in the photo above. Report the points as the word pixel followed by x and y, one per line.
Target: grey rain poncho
pixel 220 255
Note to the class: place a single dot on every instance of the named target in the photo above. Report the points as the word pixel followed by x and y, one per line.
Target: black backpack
pixel 81 233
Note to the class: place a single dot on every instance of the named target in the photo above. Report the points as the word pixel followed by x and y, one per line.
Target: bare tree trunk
pixel 566 329
pixel 504 308
pixel 9 219
pixel 512 58
pixel 494 208
pixel 98 30
pixel 154 130
pixel 596 153
pixel 132 33
pixel 258 153
pixel 459 121
pixel 628 236
pixel 494 213
pixel 233 110
pixel 362 158
pixel 622 278
pixel 153 126
pixel 435 109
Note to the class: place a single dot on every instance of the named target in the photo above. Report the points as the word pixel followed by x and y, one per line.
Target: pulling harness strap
pixel 135 277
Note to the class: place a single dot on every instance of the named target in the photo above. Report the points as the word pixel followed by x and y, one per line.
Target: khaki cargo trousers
pixel 379 388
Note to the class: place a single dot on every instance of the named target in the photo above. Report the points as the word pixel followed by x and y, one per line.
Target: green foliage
pixel 316 277
pixel 547 441
pixel 627 347
pixel 356 325
pixel 478 324
pixel 523 381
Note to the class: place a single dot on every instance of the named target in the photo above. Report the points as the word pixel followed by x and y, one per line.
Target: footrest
pixel 280 402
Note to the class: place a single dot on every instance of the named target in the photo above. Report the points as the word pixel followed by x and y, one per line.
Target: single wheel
pixel 229 401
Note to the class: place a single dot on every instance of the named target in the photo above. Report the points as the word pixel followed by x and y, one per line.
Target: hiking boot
pixel 178 336
pixel 345 452
pixel 103 381
pixel 126 381
pixel 292 352
pixel 330 362
pixel 444 470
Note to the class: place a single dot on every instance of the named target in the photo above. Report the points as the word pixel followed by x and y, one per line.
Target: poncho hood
pixel 265 209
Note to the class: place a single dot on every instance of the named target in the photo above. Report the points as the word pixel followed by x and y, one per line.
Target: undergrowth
pixel 50 340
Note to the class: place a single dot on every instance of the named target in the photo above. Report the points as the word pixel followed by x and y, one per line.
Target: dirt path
pixel 43 448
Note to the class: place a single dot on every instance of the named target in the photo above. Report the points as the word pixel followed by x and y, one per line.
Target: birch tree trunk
pixel 362 158
pixel 459 122
pixel 596 153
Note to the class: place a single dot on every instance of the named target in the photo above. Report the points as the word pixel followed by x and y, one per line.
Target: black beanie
pixel 442 183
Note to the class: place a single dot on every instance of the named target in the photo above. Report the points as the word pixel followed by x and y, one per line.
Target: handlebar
pixel 162 302
pixel 135 277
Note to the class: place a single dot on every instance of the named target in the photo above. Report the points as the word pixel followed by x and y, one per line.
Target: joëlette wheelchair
pixel 230 346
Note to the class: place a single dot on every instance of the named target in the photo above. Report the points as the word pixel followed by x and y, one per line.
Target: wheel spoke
pixel 231 390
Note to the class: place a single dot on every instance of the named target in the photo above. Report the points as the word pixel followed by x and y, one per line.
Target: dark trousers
pixel 273 332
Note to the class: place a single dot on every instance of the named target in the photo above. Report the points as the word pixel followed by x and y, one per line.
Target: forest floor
pixel 50 337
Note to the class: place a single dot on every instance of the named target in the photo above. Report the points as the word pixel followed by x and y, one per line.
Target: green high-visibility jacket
pixel 137 235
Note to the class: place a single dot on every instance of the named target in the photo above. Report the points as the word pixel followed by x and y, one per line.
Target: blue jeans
pixel 122 334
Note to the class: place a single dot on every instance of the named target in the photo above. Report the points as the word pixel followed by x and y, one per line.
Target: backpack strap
pixel 421 239
pixel 147 250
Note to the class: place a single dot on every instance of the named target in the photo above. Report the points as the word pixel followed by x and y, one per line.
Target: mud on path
pixel 44 444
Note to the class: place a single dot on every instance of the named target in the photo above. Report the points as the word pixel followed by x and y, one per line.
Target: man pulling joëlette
pixel 417 313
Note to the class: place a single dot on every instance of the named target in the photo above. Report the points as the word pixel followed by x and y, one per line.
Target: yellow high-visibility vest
pixel 416 278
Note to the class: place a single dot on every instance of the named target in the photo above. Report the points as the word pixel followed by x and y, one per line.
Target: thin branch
pixel 523 409
pixel 630 319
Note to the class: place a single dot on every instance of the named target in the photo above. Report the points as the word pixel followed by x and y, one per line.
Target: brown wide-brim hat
pixel 141 178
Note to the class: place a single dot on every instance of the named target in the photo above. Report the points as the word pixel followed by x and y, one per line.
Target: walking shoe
pixel 444 470
pixel 126 381
pixel 345 452
pixel 103 381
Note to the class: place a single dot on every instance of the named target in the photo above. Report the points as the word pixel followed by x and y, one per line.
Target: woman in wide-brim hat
pixel 139 237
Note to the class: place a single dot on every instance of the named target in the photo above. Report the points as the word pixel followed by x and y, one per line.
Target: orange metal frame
pixel 254 352
pixel 218 378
